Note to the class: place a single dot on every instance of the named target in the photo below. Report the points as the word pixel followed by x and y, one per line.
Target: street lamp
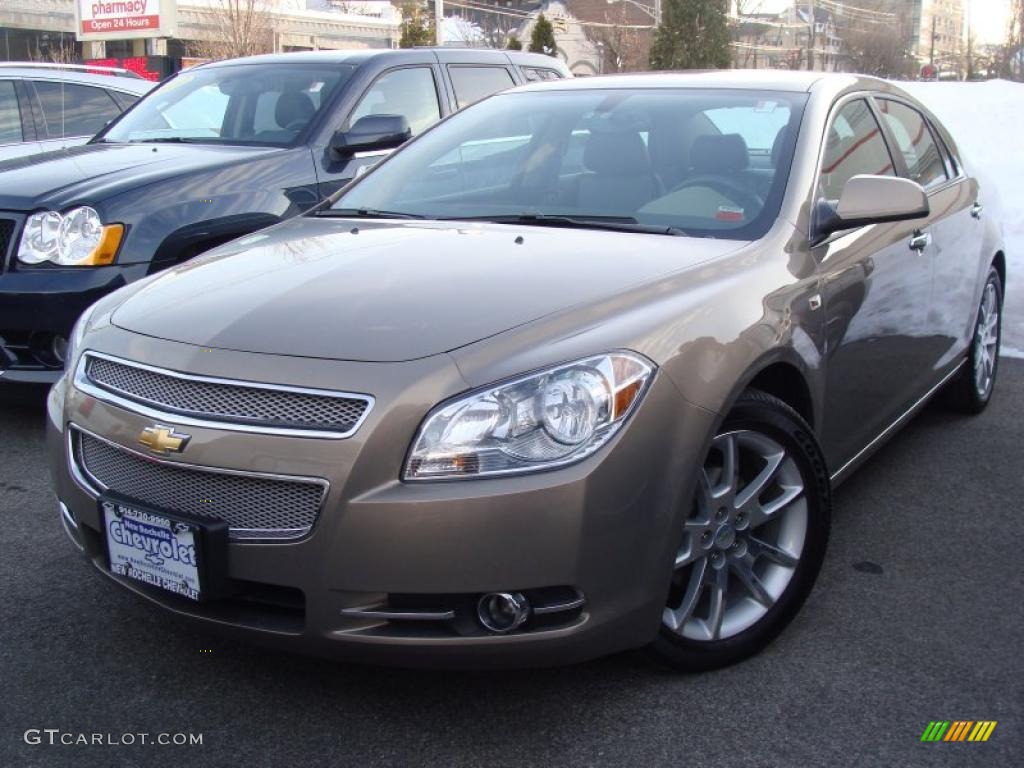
pixel 654 13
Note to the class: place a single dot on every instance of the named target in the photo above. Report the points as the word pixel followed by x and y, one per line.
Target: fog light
pixel 502 611
pixel 59 348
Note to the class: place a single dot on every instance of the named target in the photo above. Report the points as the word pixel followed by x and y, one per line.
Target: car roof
pixel 753 79
pixel 128 84
pixel 359 56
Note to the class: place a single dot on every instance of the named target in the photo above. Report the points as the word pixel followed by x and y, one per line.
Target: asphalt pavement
pixel 918 616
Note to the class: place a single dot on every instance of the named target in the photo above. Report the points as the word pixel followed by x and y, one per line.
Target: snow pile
pixel 987 121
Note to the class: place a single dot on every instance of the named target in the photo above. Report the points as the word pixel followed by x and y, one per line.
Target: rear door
pixel 876 295
pixel 955 234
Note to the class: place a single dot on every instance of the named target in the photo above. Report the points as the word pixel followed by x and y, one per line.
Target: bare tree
pixel 238 28
pixel 55 48
pixel 624 46
pixel 881 52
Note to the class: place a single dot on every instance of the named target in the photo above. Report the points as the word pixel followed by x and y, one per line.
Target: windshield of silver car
pixel 670 161
pixel 259 104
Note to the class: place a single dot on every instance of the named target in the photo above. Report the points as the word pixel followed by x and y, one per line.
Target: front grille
pixel 253 506
pixel 6 235
pixel 230 402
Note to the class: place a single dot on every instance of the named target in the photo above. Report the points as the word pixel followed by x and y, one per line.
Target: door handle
pixel 976 210
pixel 920 240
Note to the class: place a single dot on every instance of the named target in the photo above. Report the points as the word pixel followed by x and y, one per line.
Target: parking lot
pixel 917 617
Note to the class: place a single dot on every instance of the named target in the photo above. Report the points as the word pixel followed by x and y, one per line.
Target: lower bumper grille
pixel 254 506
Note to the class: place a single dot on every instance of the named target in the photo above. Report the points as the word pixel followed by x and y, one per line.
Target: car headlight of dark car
pixel 546 419
pixel 75 238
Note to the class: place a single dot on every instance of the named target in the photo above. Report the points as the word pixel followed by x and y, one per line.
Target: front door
pixel 410 91
pixel 876 293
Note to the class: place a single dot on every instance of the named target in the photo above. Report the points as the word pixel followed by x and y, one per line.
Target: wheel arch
pixel 193 239
pixel 999 262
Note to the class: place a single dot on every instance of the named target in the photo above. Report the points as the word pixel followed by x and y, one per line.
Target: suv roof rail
pixel 115 71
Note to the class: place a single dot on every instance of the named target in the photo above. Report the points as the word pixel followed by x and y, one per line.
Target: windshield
pixel 264 104
pixel 691 161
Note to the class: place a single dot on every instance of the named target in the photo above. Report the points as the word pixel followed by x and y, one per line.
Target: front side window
pixel 474 83
pixel 408 92
pixel 258 104
pixel 598 154
pixel 74 110
pixel 854 145
pixel 10 116
pixel 915 142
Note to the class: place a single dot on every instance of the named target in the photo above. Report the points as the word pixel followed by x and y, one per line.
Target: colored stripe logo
pixel 958 730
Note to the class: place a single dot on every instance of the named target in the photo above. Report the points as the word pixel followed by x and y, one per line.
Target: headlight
pixel 548 419
pixel 75 239
pixel 75 339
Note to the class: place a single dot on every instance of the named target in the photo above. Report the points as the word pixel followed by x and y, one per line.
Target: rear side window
pixel 124 100
pixel 915 141
pixel 853 146
pixel 409 92
pixel 475 83
pixel 74 110
pixel 535 74
pixel 10 117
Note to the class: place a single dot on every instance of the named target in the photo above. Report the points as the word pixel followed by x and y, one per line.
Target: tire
pixel 758 540
pixel 967 392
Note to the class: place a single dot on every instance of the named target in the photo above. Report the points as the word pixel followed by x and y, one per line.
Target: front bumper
pixel 605 528
pixel 39 304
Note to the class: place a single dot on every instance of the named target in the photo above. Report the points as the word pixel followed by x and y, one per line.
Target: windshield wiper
pixel 173 140
pixel 609 223
pixel 368 213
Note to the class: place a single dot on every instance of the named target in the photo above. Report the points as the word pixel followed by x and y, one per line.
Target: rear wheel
pixel 754 539
pixel 972 388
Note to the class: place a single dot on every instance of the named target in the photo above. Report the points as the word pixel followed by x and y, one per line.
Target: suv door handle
pixel 976 210
pixel 920 240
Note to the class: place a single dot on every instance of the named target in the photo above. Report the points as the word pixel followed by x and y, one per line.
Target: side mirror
pixel 371 132
pixel 870 200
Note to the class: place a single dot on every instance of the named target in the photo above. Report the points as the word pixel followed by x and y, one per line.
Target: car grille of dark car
pixel 254 506
pixel 224 401
pixel 6 235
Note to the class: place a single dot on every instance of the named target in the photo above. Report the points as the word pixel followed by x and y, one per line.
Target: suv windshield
pixel 674 161
pixel 266 104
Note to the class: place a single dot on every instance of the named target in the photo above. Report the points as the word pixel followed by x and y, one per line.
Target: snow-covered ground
pixel 987 121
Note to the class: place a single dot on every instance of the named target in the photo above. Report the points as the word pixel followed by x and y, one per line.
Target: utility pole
pixel 657 13
pixel 931 53
pixel 810 35
pixel 439 22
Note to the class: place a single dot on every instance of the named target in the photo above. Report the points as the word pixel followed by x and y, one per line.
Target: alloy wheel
pixel 742 541
pixel 986 340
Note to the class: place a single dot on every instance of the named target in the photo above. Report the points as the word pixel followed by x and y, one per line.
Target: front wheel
pixel 754 538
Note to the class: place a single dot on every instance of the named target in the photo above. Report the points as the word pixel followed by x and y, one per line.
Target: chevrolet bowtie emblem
pixel 163 440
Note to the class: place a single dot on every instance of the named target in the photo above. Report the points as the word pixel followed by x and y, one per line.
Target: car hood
pixel 383 291
pixel 93 172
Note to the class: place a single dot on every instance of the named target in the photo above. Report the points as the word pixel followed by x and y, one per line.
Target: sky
pixel 988 17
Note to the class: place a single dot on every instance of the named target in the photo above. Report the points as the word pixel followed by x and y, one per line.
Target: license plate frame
pixel 177 554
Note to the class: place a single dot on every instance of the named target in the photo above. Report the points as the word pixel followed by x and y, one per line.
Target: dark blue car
pixel 214 153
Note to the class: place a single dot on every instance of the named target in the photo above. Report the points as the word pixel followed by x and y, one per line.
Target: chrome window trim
pixel 159 411
pixel 95 488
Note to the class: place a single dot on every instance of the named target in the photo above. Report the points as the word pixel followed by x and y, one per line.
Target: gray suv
pixel 53 106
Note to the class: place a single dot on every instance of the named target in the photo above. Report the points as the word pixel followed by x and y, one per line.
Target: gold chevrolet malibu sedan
pixel 573 372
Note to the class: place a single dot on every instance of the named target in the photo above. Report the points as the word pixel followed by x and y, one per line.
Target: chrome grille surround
pixel 221 403
pixel 255 505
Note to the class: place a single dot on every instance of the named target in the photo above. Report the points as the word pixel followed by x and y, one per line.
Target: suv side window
pixel 410 92
pixel 80 110
pixel 474 83
pixel 10 116
pixel 853 145
pixel 915 142
pixel 535 74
